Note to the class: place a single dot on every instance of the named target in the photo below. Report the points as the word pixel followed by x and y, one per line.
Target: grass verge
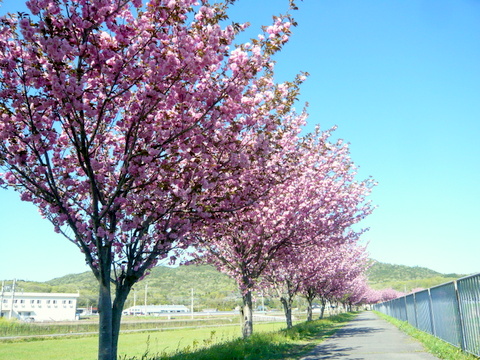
pixel 432 344
pixel 284 344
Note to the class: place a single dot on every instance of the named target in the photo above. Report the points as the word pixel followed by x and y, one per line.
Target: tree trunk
pixel 117 310
pixel 246 314
pixel 322 310
pixel 310 294
pixel 309 310
pixel 110 320
pixel 287 308
pixel 106 348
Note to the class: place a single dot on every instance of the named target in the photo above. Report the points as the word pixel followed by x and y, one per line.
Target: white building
pixel 155 310
pixel 38 306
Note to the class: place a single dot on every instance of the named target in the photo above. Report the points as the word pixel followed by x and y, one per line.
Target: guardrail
pixel 450 311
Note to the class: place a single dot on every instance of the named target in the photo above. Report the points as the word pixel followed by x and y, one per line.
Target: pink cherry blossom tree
pixel 389 294
pixel 244 242
pixel 332 201
pixel 355 292
pixel 314 269
pixel 317 201
pixel 128 124
pixel 333 271
pixel 285 277
pixel 364 294
pixel 370 296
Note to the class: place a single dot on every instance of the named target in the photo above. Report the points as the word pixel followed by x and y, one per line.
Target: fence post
pixel 432 315
pixel 415 308
pixel 460 317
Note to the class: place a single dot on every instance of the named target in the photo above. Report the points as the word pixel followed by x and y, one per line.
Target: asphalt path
pixel 369 337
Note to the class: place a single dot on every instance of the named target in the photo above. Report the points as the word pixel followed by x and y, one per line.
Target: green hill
pixel 166 285
pixel 212 289
pixel 405 278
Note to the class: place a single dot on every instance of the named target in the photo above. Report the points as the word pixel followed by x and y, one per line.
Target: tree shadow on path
pixel 357 331
pixel 329 351
pixel 334 347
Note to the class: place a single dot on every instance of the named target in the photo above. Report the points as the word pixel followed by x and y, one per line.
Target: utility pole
pixel 134 302
pixel 13 298
pixel 191 304
pixel 146 289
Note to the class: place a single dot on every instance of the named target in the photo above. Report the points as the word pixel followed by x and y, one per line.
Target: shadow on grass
pixel 284 344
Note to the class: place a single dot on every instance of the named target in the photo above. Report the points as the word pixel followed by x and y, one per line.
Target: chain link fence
pixel 449 311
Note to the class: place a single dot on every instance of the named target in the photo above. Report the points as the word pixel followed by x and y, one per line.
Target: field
pixel 18 328
pixel 130 345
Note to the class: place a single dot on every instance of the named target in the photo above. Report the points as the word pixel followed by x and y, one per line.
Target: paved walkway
pixel 368 337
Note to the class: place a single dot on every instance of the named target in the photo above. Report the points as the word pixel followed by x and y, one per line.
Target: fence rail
pixel 449 311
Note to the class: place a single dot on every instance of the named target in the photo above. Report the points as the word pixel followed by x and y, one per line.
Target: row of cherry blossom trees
pixel 299 231
pixel 139 129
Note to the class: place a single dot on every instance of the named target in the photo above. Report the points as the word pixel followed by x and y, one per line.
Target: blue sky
pixel 401 80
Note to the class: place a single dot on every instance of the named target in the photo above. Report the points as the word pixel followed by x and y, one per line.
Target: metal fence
pixel 449 311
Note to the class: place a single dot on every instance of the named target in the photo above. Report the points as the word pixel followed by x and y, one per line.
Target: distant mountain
pixel 212 289
pixel 405 278
pixel 166 285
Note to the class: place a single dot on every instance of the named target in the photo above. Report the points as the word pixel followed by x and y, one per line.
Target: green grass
pixel 131 345
pixel 434 345
pixel 283 344
pixel 270 341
